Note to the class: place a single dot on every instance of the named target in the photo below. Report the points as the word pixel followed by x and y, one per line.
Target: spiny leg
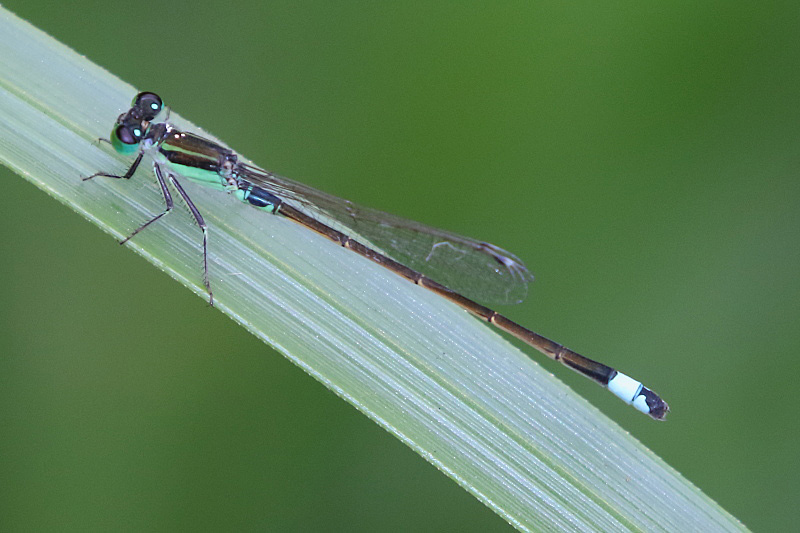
pixel 202 224
pixel 167 201
pixel 126 176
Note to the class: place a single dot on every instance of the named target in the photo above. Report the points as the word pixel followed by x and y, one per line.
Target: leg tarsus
pixel 206 282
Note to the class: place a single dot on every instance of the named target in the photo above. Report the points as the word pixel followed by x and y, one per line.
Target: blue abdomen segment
pixel 258 197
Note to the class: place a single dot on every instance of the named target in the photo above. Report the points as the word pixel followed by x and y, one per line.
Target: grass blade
pixel 448 386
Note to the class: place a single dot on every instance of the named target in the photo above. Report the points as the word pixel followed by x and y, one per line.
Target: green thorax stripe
pixel 195 158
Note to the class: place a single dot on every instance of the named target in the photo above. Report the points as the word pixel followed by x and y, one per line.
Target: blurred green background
pixel 643 160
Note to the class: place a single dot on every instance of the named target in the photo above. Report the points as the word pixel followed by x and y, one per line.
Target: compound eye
pixel 148 104
pixel 125 139
pixel 128 135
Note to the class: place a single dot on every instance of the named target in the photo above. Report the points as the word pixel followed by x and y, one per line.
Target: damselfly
pixel 463 268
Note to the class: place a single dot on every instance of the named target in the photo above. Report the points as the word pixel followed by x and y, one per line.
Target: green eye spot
pixel 137 132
